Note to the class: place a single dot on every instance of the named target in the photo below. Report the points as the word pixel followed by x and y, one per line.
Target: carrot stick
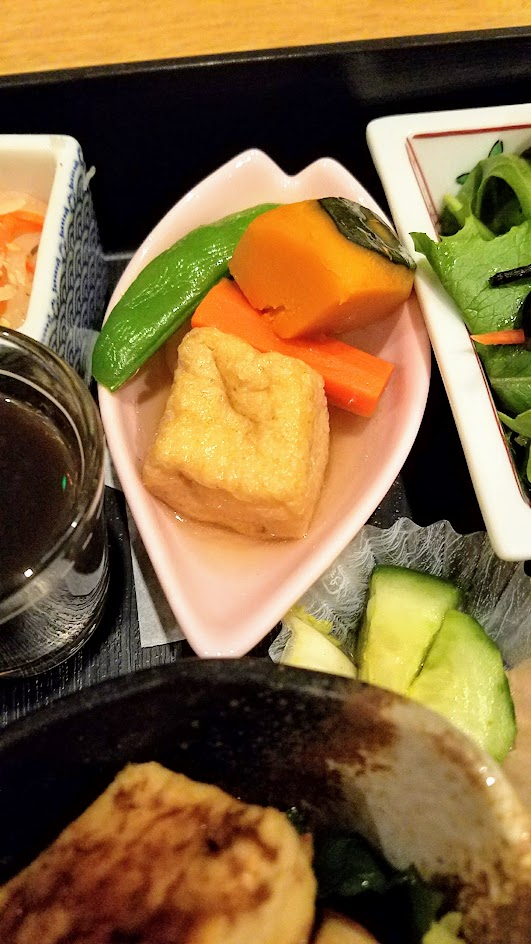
pixel 353 379
pixel 507 336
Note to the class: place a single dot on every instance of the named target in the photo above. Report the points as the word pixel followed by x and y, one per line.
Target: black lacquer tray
pixel 154 129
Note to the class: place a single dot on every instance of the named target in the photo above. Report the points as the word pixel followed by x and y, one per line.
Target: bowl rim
pixel 255 672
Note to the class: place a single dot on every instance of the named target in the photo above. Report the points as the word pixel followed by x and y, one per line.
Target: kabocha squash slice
pixel 326 266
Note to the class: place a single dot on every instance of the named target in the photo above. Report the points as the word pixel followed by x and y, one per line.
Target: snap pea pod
pixel 164 295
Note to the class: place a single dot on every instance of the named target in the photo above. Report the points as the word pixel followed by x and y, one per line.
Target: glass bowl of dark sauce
pixel 53 541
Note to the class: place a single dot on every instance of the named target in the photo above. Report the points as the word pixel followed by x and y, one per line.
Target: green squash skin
pixel 164 295
pixel 361 226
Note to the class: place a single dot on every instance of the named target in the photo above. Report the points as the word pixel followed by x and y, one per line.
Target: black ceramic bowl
pixel 345 752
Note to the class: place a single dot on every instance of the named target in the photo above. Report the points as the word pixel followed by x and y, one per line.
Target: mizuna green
pixel 164 295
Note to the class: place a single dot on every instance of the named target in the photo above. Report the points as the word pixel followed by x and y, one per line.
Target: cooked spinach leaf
pixel 518 437
pixel 354 879
pixel 457 209
pixel 298 820
pixel 345 865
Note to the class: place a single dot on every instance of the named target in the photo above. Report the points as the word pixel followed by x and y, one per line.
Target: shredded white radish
pixel 88 177
pixel 19 241
pixel 11 201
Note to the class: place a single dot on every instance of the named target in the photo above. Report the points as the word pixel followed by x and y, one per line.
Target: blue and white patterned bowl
pixel 69 287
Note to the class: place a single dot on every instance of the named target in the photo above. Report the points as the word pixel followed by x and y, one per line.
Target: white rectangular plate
pixel 418 158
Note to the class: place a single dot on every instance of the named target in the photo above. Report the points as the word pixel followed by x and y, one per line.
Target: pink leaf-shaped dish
pixel 226 590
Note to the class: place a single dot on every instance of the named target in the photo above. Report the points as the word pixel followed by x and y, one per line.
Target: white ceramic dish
pixel 419 158
pixel 68 293
pixel 227 591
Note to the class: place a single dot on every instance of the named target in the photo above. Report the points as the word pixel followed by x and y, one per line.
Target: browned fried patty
pixel 160 859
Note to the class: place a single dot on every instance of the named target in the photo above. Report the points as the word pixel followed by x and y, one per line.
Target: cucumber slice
pixel 404 612
pixel 463 679
pixel 307 648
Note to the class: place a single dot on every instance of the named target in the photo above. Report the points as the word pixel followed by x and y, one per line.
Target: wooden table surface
pixel 55 34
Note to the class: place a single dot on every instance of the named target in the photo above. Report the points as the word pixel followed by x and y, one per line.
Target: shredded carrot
pixel 28 216
pixel 353 379
pixel 507 336
pixel 15 224
pixel 3 281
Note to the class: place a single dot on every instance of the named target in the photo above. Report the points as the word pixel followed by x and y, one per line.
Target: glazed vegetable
pixel 164 295
pixel 353 380
pixel 322 266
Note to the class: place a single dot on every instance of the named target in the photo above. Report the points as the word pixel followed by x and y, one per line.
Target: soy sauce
pixel 37 480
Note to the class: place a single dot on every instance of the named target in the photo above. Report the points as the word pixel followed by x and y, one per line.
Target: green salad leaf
pixel 464 263
pixel 485 232
pixel 518 437
pixel 520 424
pixel 526 472
pixel 503 197
pixel 508 368
pixel 457 209
pixel 497 191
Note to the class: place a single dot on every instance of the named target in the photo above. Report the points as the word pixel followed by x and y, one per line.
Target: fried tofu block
pixel 243 442
pixel 161 859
